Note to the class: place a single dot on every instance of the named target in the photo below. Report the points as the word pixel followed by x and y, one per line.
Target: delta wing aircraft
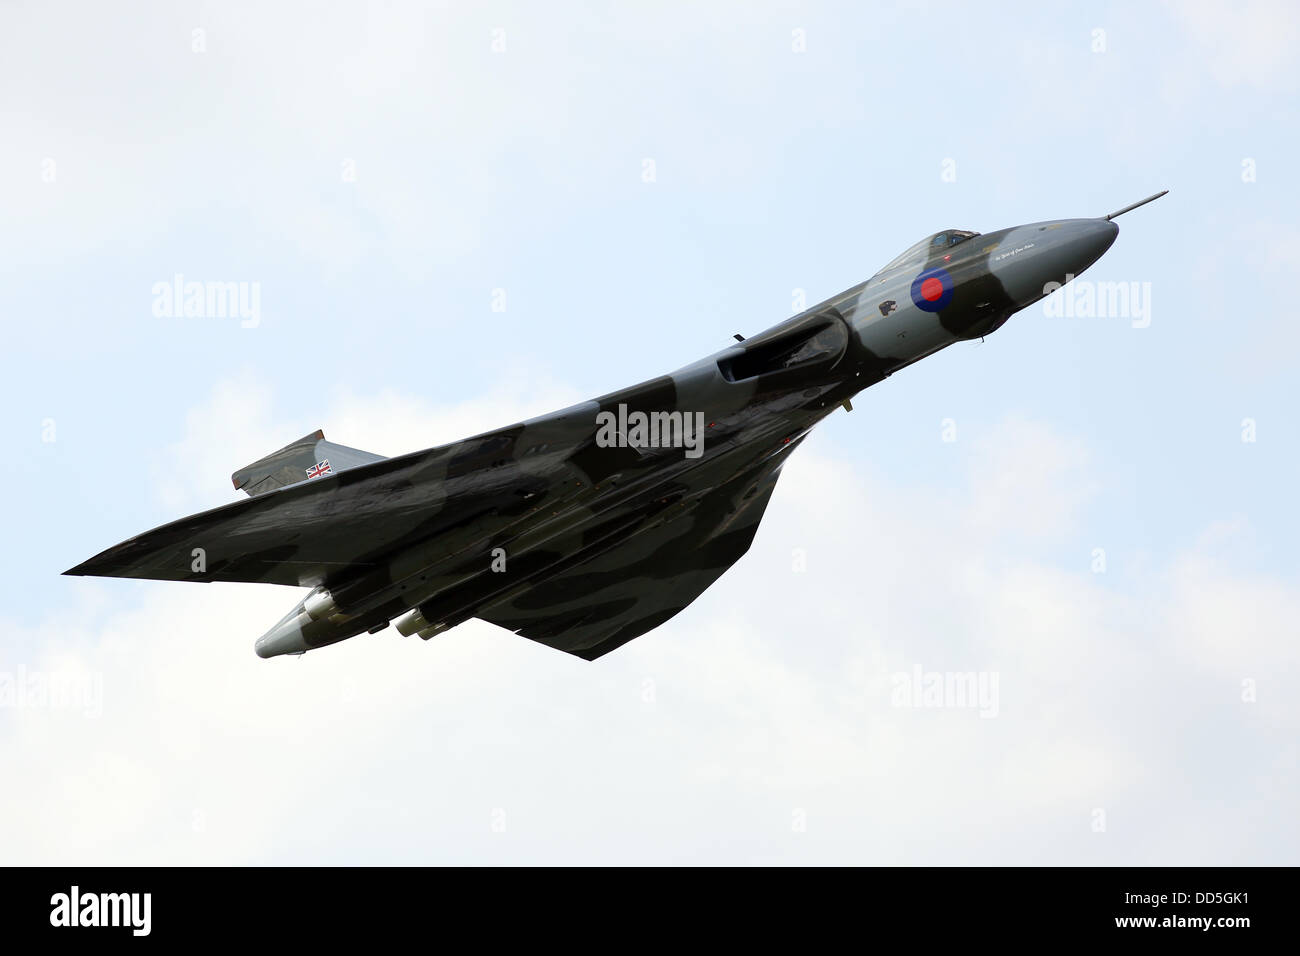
pixel 590 526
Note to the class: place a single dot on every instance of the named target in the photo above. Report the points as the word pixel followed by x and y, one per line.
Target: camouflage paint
pixel 601 544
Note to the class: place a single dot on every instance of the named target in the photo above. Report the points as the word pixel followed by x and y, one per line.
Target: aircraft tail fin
pixel 309 457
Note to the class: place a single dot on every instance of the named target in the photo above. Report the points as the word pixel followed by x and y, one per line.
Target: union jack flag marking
pixel 318 469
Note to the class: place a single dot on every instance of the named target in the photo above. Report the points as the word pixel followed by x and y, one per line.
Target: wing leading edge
pixel 306 532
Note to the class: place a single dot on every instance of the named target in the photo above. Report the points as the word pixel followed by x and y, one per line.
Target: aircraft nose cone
pixel 1059 252
pixel 1093 238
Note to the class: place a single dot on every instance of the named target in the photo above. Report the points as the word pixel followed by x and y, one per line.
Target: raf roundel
pixel 932 290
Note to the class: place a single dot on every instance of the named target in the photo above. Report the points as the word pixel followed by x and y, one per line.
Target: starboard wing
pixel 600 604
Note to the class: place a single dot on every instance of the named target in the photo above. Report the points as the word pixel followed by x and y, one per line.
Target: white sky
pixel 758 726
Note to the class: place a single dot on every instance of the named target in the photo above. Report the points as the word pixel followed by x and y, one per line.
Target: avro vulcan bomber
pixel 590 526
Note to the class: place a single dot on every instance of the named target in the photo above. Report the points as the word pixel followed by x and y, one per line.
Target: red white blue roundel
pixel 932 290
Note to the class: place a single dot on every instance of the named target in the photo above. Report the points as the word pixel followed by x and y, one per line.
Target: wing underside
pixel 322 531
pixel 600 604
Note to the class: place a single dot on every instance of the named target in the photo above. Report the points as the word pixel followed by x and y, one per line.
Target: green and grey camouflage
pixel 554 530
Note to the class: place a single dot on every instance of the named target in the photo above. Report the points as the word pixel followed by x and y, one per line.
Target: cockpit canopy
pixel 920 252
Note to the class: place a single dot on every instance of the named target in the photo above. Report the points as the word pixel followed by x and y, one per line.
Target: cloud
pixel 238 424
pixel 758 726
pixel 1026 479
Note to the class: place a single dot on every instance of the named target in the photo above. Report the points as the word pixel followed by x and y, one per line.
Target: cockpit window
pixel 917 254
